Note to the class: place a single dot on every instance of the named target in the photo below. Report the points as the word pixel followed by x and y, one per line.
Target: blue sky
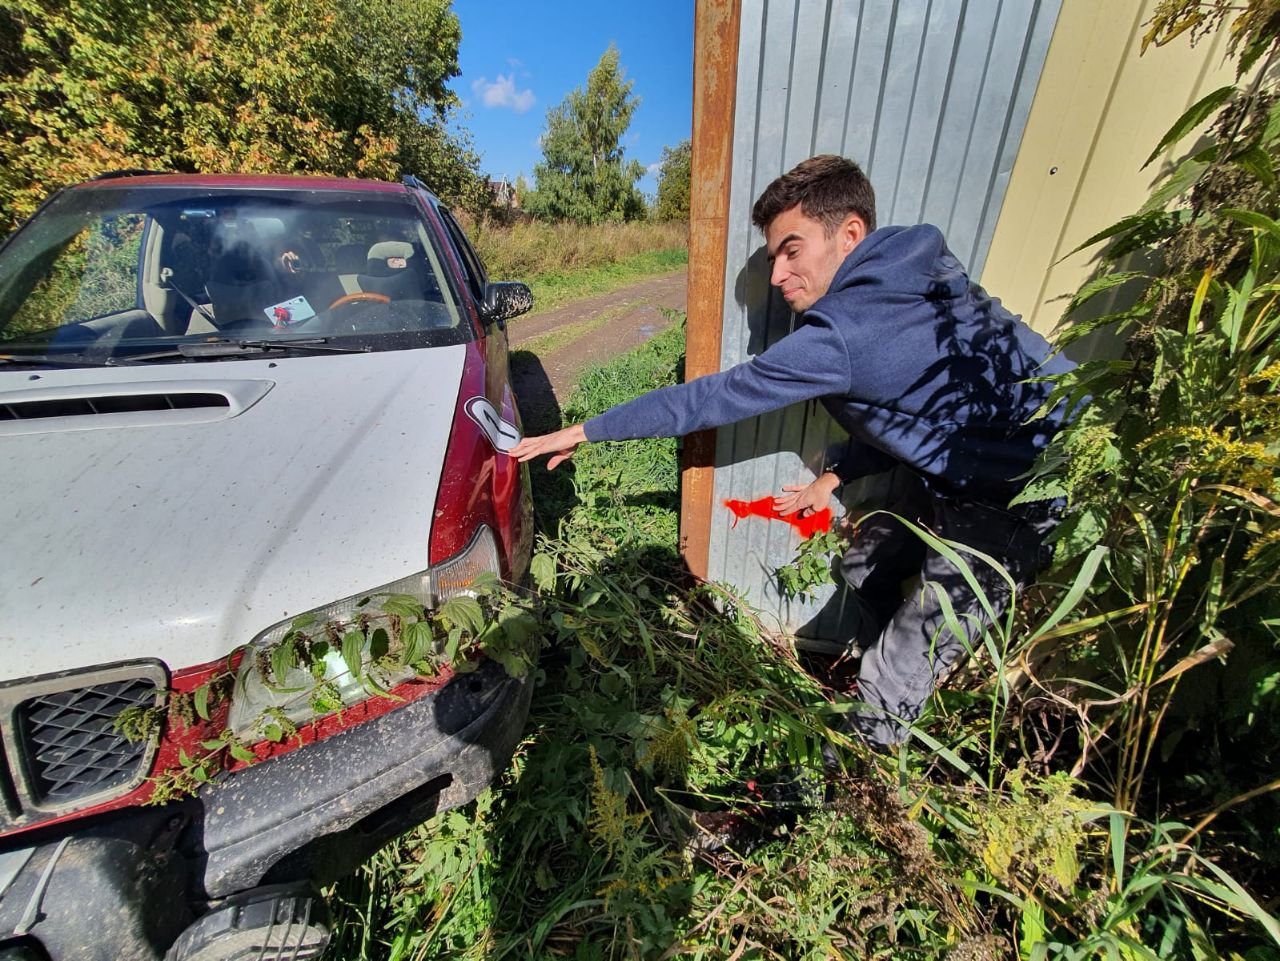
pixel 520 59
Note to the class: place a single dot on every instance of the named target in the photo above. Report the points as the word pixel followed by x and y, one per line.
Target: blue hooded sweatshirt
pixel 909 356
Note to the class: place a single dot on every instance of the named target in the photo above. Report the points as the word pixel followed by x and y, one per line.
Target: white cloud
pixel 503 93
pixel 653 169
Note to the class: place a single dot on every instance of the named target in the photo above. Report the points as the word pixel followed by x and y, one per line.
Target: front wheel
pixel 269 922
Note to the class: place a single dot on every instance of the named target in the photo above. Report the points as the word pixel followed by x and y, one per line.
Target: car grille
pixel 72 748
pixel 61 742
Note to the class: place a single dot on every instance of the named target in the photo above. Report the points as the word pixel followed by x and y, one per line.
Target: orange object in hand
pixel 819 522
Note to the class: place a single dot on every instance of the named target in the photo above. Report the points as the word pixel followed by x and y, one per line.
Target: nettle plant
pixel 811 568
pixel 326 661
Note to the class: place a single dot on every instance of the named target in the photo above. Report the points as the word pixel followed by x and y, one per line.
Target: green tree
pixel 583 176
pixel 673 182
pixel 283 86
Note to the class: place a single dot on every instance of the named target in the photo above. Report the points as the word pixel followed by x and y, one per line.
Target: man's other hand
pixel 808 498
pixel 559 445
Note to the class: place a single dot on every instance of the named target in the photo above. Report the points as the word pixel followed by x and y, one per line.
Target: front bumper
pixel 126 886
pixel 435 753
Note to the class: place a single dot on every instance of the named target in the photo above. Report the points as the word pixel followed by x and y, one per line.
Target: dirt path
pixel 549 351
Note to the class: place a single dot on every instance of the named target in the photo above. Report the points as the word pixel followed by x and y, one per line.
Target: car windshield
pixel 109 272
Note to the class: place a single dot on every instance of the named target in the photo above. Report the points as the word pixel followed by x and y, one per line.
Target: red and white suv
pixel 232 411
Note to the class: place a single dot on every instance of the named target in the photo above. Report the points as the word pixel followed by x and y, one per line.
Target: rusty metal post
pixel 715 77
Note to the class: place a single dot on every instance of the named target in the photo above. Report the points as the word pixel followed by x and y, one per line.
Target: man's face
pixel 804 258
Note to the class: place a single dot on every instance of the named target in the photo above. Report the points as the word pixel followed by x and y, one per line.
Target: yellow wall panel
pixel 1099 111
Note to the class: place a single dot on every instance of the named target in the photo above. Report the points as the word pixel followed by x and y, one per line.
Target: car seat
pixel 241 286
pixel 395 269
pixel 350 260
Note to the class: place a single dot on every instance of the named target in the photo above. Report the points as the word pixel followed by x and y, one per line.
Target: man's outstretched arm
pixel 807 363
pixel 560 445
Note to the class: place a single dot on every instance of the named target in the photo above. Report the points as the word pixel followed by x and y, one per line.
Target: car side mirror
pixel 505 300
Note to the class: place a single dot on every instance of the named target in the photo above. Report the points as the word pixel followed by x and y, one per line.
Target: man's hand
pixel 808 498
pixel 559 445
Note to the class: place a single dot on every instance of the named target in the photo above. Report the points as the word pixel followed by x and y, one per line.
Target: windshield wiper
pixel 41 360
pixel 226 347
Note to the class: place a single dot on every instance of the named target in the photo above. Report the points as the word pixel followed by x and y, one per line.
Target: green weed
pixel 1171 472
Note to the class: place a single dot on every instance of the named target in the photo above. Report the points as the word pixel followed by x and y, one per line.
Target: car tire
pixel 21 952
pixel 268 923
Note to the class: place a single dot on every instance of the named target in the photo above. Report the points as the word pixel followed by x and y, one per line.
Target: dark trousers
pixel 907 639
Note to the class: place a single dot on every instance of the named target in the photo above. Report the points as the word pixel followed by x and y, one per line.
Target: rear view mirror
pixel 502 301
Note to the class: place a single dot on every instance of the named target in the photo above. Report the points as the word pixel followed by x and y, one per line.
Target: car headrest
pixel 269 228
pixel 388 258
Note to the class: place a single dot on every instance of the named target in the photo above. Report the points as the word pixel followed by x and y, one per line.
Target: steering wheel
pixel 360 296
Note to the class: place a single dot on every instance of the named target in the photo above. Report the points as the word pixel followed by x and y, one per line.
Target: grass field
pixel 557 288
pixel 565 262
pixel 525 250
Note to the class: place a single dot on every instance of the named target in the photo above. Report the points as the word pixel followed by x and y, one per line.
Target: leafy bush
pixel 274 86
pixel 674 182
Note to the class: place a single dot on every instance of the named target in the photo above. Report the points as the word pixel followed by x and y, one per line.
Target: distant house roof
pixel 504 193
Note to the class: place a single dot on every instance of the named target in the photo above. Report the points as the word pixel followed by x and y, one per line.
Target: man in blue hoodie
pixel 929 376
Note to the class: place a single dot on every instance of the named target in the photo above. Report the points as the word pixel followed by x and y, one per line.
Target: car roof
pixel 259 181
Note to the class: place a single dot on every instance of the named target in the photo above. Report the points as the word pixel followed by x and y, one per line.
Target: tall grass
pixel 523 250
pixel 1171 473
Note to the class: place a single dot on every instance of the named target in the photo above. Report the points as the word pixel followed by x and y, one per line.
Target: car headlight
pixel 301 669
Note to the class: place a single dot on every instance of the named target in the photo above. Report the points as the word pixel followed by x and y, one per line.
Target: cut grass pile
pixel 657 699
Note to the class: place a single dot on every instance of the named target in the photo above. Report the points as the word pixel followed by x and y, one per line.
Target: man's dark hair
pixel 827 188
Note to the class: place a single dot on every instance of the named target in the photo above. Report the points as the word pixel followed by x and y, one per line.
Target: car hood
pixel 180 534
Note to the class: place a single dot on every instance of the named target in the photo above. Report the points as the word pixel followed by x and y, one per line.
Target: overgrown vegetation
pixel 1070 795
pixel 563 262
pixel 533 248
pixel 1172 475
